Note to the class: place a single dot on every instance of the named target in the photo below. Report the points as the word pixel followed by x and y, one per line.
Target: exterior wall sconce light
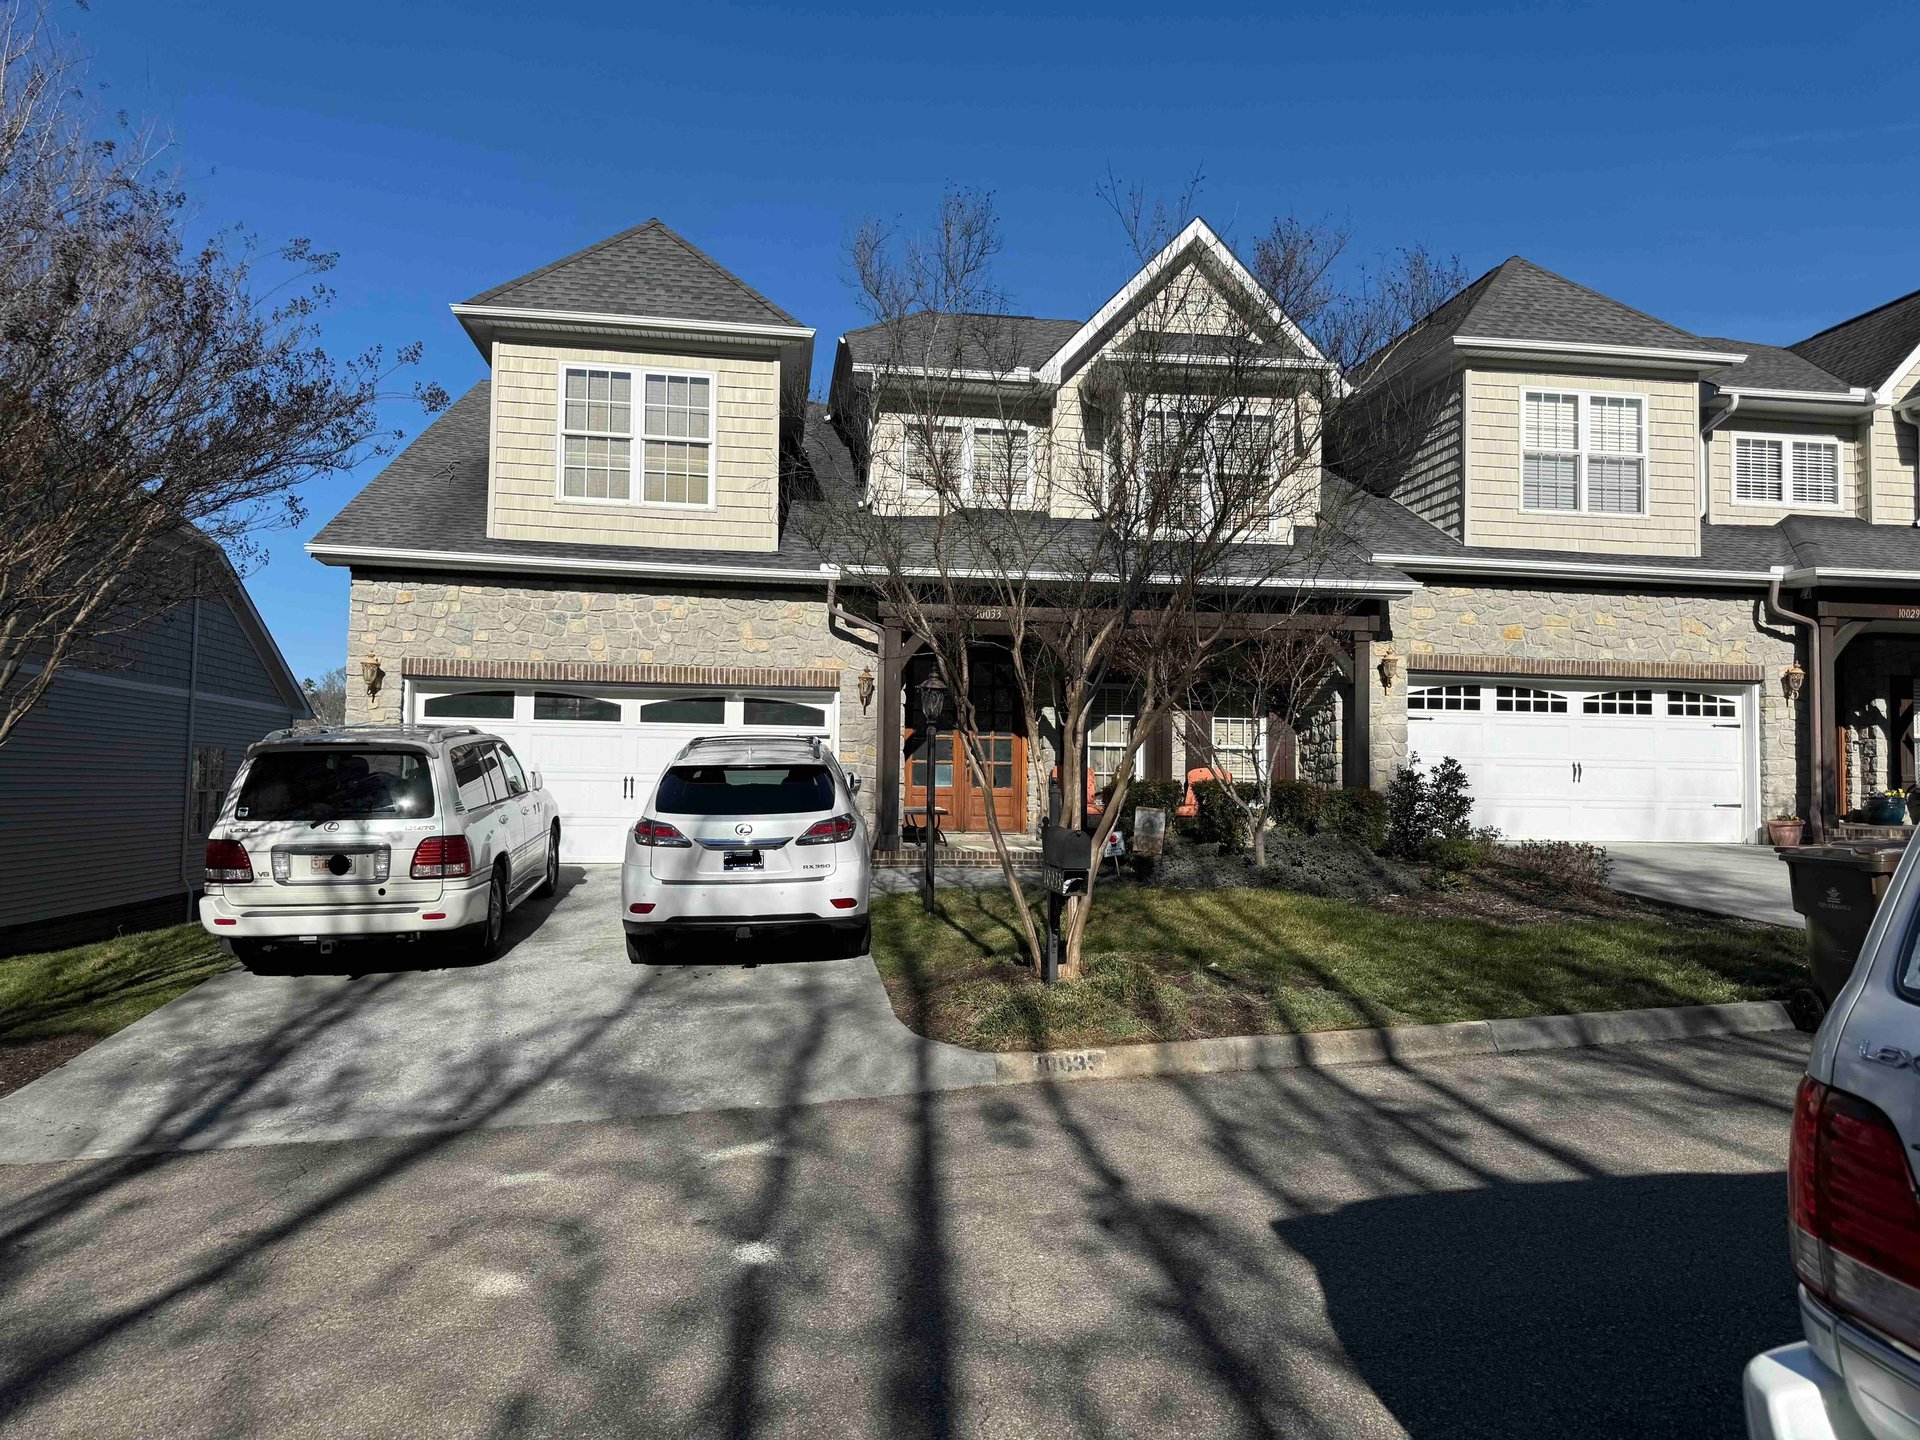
pixel 866 688
pixel 1791 679
pixel 371 675
pixel 1388 667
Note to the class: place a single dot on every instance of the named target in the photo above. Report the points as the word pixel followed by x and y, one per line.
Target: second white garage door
pixel 1549 761
pixel 600 750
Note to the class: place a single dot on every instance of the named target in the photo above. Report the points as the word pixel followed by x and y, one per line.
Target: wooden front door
pixel 997 708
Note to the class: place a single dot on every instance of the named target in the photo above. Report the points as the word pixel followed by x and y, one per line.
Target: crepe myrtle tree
pixel 1125 528
pixel 156 397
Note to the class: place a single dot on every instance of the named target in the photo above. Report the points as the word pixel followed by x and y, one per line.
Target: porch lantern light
pixel 866 688
pixel 1791 679
pixel 371 674
pixel 1388 667
pixel 933 698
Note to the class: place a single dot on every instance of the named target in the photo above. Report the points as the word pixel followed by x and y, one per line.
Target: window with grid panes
pixel 1619 702
pixel 1689 702
pixel 597 434
pixel 1519 700
pixel 1444 697
pixel 677 440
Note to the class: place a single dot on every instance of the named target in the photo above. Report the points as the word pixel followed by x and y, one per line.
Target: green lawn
pixel 93 990
pixel 1178 964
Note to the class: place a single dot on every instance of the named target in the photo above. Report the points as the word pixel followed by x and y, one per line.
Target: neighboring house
pixel 596 550
pixel 109 785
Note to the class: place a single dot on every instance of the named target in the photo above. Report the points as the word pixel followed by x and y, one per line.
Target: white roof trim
pixel 1857 395
pixel 1019 375
pixel 1487 565
pixel 1359 587
pixel 1847 575
pixel 1578 347
pixel 1198 232
pixel 516 316
pixel 1885 393
pixel 460 560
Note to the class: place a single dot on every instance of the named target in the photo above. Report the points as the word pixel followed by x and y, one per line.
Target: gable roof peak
pixel 1873 349
pixel 648 269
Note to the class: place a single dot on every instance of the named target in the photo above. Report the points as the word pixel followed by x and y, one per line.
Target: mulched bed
pixel 27 1060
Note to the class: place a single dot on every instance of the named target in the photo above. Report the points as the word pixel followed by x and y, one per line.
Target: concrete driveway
pixel 560 1027
pixel 1749 881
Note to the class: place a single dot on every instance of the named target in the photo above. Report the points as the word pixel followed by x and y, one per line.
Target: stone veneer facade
pixel 1561 624
pixel 403 617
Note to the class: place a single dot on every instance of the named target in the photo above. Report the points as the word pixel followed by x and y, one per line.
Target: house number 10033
pixel 1066 1062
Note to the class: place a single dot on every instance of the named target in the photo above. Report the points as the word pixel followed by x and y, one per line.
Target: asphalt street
pixel 1569 1243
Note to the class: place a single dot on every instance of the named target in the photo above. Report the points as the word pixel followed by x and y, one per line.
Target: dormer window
pixel 980 462
pixel 597 436
pixel 1583 452
pixel 1777 472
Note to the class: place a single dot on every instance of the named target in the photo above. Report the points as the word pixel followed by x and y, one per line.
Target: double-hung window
pixel 598 436
pixel 972 462
pixel 1109 725
pixel 1771 471
pixel 1209 464
pixel 1583 452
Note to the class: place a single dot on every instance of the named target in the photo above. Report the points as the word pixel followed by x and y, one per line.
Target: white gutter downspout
pixel 1706 430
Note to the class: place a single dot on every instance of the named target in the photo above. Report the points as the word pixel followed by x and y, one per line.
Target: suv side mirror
pixel 853 783
pixel 533 779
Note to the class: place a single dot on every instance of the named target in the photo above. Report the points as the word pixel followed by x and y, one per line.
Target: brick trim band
pixel 1588 669
pixel 587 672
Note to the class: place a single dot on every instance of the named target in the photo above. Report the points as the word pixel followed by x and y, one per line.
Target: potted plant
pixel 1889 807
pixel 1785 830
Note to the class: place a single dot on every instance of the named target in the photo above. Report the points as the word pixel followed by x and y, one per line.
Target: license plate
pixel 741 860
pixel 323 865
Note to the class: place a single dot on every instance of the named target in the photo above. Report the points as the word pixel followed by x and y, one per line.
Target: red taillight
pixel 228 863
pixel 442 857
pixel 648 831
pixel 1855 1213
pixel 844 902
pixel 641 907
pixel 828 832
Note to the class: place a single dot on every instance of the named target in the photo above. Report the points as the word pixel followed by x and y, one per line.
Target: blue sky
pixel 1737 171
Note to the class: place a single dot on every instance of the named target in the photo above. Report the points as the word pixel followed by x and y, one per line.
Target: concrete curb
pixel 1408 1042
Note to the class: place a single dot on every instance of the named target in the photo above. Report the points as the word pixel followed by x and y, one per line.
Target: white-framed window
pixel 1210 457
pixel 981 461
pixel 1693 703
pixel 1109 723
pixel 1444 697
pixel 1521 700
pixel 1583 451
pixel 1619 702
pixel 1235 738
pixel 1777 470
pixel 599 437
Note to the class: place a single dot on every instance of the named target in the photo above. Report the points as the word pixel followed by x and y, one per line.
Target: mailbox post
pixel 933 709
pixel 1067 856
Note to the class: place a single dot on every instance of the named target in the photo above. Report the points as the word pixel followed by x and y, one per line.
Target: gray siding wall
pixel 94 782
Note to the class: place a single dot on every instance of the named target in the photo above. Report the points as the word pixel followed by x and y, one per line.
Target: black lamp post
pixel 933 710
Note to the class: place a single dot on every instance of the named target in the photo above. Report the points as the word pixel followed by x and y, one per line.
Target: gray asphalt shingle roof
pixel 1771 367
pixel 968 341
pixel 648 270
pixel 1866 349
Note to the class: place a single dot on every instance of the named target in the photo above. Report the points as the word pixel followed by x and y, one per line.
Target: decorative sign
pixel 1149 831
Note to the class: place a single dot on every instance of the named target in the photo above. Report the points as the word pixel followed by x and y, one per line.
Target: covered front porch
pixel 1020 766
pixel 1865 665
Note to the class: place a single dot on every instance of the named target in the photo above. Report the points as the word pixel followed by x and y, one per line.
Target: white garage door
pixel 599 750
pixel 1550 761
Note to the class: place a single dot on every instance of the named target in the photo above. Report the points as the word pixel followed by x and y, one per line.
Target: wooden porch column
pixel 890 697
pixel 1282 750
pixel 1159 748
pixel 1357 741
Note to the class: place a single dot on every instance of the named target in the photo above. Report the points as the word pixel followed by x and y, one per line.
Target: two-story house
pixel 1643 583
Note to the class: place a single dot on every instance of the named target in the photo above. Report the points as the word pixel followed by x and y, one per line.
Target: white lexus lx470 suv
pixel 367 831
pixel 1853 1212
pixel 744 835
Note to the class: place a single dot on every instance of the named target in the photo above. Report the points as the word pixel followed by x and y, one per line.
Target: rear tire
pixel 550 884
pixel 1806 1009
pixel 485 942
pixel 645 949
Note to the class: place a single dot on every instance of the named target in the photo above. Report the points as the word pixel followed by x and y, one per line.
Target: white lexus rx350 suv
pixel 367 831
pixel 745 835
pixel 1853 1209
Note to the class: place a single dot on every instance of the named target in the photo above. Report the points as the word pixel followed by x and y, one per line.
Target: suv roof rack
pixel 432 734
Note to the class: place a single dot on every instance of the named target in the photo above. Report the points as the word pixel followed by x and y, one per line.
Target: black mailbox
pixel 1064 849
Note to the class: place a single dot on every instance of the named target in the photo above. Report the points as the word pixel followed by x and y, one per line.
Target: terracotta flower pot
pixel 1785 832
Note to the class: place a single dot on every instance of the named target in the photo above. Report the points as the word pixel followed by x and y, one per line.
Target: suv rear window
pixel 745 790
pixel 329 784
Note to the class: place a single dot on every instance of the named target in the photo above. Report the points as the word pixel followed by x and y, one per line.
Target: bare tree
pixel 328 696
pixel 153 396
pixel 1112 529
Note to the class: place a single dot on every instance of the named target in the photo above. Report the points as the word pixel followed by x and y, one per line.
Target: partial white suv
pixel 744 835
pixel 377 830
pixel 1853 1210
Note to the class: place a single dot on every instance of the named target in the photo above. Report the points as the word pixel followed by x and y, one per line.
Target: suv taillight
pixel 442 857
pixel 828 832
pixel 228 863
pixel 648 831
pixel 1855 1228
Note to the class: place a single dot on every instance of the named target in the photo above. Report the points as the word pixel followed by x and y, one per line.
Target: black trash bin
pixel 1838 888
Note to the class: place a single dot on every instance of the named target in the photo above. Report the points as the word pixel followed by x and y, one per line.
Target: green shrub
pixel 1455 854
pixel 1406 804
pixel 1296 804
pixel 1219 821
pixel 1359 815
pixel 1560 864
pixel 1424 806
